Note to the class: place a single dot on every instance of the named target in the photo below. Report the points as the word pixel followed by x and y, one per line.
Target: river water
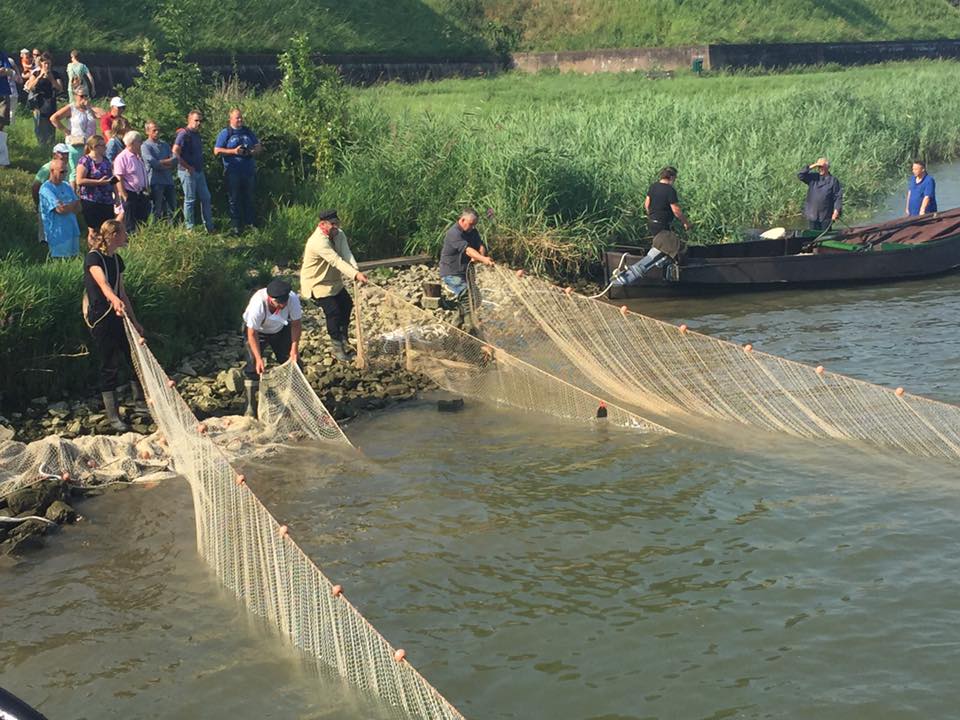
pixel 535 569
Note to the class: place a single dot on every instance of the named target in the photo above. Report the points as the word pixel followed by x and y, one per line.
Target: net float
pixel 282 531
pixel 819 370
pixel 568 291
pixel 683 329
pixel 240 479
pixel 520 273
pixel 336 590
pixel 748 348
pixel 624 310
pixel 400 654
pixel 201 428
pixel 171 383
pixel 65 477
pixel 899 392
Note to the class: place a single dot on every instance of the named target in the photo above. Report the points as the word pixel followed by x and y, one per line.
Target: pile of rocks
pixel 30 512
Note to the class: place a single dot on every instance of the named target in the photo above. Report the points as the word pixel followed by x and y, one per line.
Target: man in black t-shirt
pixel 663 205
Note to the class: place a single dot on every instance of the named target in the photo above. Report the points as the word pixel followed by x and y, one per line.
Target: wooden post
pixel 361 361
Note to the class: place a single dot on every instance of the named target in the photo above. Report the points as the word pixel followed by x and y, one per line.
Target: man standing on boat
pixel 663 205
pixel 824 202
pixel 921 191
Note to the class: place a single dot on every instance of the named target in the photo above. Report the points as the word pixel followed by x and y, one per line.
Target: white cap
pixel 117 102
pixel 61 148
pixel 24 52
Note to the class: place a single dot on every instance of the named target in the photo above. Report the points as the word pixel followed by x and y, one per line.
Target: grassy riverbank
pixel 464 28
pixel 562 163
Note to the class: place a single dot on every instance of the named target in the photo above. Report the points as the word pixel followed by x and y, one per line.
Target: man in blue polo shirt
pixel 921 191
pixel 238 146
pixel 188 147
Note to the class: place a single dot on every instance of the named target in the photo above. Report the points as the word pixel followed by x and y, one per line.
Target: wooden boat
pixel 901 249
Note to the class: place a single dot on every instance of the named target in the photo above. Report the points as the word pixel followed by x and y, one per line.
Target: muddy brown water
pixel 537 569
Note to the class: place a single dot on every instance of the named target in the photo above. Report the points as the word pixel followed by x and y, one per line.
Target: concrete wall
pixel 112 69
pixel 774 55
pixel 628 60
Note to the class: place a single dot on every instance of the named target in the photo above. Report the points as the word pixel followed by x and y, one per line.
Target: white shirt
pixel 258 316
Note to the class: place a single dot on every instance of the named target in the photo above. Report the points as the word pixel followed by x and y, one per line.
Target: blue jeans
pixel 457 284
pixel 164 201
pixel 240 193
pixel 195 188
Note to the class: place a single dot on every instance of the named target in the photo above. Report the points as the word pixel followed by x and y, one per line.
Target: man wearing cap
pixel 327 260
pixel 824 202
pixel 117 106
pixel 59 207
pixel 273 317
pixel 61 151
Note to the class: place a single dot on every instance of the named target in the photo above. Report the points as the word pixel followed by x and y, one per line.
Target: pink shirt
pixel 131 171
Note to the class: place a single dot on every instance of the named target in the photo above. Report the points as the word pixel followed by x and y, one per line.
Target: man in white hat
pixel 61 151
pixel 824 201
pixel 117 106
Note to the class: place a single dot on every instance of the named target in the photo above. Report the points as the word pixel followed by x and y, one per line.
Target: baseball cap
pixel 61 148
pixel 279 290
pixel 329 215
pixel 24 52
pixel 117 102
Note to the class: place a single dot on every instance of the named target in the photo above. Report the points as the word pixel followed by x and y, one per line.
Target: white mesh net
pixel 289 409
pixel 689 380
pixel 256 558
pixel 394 331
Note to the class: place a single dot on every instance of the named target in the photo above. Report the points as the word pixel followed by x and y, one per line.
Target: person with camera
pixel 42 88
pixel 238 145
pixel 96 185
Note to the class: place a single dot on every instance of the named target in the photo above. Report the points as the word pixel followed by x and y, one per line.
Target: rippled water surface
pixel 534 569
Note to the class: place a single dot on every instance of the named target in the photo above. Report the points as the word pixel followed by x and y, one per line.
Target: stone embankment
pixel 211 382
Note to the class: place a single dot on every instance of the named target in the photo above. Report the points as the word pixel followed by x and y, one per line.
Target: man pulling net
pixel 273 317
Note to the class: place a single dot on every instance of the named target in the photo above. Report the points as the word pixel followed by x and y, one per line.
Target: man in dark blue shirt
pixel 824 202
pixel 188 147
pixel 921 191
pixel 237 145
pixel 461 246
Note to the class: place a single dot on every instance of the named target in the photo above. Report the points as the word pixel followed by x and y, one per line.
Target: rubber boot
pixel 139 403
pixel 251 388
pixel 110 409
pixel 345 340
pixel 338 350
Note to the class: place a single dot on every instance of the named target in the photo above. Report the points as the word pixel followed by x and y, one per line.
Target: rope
pixel 613 277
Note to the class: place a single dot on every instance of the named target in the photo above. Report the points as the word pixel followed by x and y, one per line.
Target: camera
pixel 245 149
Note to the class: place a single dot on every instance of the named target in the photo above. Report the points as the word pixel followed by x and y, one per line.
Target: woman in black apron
pixel 105 304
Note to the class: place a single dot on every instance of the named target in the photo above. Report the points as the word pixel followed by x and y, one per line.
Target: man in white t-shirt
pixel 273 317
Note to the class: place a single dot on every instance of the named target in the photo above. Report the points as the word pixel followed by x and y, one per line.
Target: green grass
pixel 561 162
pixel 564 162
pixel 465 28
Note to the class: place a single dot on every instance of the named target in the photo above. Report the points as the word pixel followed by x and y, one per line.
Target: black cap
pixel 328 215
pixel 279 290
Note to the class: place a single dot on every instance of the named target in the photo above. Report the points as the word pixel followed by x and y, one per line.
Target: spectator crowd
pixel 102 168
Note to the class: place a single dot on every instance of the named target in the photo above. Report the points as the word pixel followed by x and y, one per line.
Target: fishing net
pixel 257 559
pixel 689 381
pixel 395 332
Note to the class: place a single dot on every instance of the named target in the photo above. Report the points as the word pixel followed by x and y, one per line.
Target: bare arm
pixel 906 210
pixel 93 89
pixel 923 205
pixel 128 306
pixel 678 213
pixel 254 344
pixel 477 257
pixel 57 119
pixel 100 277
pixel 177 150
pixel 296 327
